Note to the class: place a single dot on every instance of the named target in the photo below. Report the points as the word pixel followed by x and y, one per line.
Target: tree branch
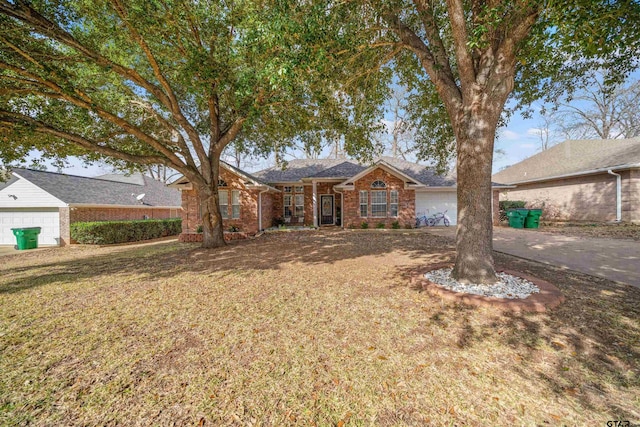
pixel 460 37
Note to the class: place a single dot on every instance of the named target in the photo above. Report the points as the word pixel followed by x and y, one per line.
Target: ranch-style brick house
pixel 325 192
pixel 579 180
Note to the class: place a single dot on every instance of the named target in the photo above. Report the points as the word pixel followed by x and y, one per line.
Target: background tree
pixel 464 59
pixel 597 111
pixel 165 83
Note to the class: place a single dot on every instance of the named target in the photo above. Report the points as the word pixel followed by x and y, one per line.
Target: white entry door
pixel 48 219
pixel 429 203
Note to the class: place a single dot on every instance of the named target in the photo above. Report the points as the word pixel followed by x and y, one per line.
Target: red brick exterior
pixel 324 188
pixel 585 198
pixel 278 204
pixel 248 221
pixel 65 229
pixel 495 214
pixel 406 201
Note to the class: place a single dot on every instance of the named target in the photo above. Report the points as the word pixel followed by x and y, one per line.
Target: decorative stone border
pixel 549 296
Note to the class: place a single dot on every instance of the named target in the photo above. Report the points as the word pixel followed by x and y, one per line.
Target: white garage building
pixel 53 201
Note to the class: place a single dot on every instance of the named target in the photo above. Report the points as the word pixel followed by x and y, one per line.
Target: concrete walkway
pixel 614 259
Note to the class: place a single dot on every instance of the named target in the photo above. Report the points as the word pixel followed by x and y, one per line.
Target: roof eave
pixel 576 174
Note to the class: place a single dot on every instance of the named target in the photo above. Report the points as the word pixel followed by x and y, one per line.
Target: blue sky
pixel 518 140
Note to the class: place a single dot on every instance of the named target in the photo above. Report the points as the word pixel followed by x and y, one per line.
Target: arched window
pixel 378 184
pixel 222 183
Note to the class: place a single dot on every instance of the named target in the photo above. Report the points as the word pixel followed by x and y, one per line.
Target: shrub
pixel 234 228
pixel 380 225
pixel 199 229
pixel 408 226
pixel 395 225
pixel 108 232
pixel 505 205
pixel 277 222
pixel 364 225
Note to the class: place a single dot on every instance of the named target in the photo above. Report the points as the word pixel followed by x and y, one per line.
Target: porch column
pixel 315 204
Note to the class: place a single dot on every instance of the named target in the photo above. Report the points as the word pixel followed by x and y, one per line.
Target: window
pixel 286 189
pixel 379 203
pixel 235 204
pixel 393 202
pixel 287 206
pixel 378 184
pixel 224 204
pixel 222 183
pixel 364 203
pixel 299 189
pixel 299 205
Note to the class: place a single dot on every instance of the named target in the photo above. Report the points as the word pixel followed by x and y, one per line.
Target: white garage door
pixel 435 202
pixel 45 218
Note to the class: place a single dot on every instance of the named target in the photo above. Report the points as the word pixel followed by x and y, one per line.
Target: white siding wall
pixel 27 195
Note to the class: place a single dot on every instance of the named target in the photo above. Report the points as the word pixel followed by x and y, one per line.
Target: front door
pixel 326 209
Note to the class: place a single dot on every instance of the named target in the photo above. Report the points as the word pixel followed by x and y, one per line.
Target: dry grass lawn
pixel 308 328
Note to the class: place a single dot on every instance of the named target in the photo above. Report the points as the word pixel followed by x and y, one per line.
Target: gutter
pixel 618 194
pixel 574 174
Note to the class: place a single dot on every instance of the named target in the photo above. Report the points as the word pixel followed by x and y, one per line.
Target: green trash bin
pixel 533 218
pixel 26 238
pixel 516 217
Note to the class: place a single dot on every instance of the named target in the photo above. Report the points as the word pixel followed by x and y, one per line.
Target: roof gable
pixel 21 193
pixel 574 157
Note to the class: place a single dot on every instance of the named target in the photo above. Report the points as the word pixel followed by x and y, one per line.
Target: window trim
pixel 381 214
pixel 296 187
pixel 296 205
pixel 378 183
pixel 366 202
pixel 224 211
pixel 233 213
pixel 392 203
pixel 285 206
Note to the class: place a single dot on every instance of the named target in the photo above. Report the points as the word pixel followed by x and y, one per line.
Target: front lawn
pixel 307 328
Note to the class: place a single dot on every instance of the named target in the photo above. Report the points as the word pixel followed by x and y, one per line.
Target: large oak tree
pixel 170 82
pixel 464 59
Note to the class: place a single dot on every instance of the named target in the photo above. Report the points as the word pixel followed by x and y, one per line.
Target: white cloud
pixel 528 145
pixel 509 135
pixel 536 131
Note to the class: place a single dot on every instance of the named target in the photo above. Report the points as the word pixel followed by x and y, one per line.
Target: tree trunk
pixel 474 238
pixel 212 231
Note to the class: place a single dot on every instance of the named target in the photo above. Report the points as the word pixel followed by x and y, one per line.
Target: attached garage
pixel 48 219
pixel 433 202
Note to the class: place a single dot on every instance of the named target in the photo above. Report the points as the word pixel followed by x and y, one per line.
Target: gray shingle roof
pixel 421 173
pixel 344 170
pixel 73 189
pixel 296 169
pixel 573 157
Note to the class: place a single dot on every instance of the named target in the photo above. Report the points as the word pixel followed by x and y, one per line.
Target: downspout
pixel 260 208
pixel 618 194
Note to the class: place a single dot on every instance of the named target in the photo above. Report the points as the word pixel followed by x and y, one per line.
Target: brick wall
pixel 631 210
pixel 406 201
pixel 496 207
pixel 323 188
pixel 248 221
pixel 587 198
pixel 65 229
pixel 278 204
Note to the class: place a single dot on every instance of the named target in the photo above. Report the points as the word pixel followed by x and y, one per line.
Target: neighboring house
pixel 53 201
pixel 326 192
pixel 580 180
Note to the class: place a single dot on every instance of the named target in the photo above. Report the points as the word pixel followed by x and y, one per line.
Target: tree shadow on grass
pixel 269 252
pixel 579 351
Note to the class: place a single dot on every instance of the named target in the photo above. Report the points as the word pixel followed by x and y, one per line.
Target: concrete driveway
pixel 614 259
